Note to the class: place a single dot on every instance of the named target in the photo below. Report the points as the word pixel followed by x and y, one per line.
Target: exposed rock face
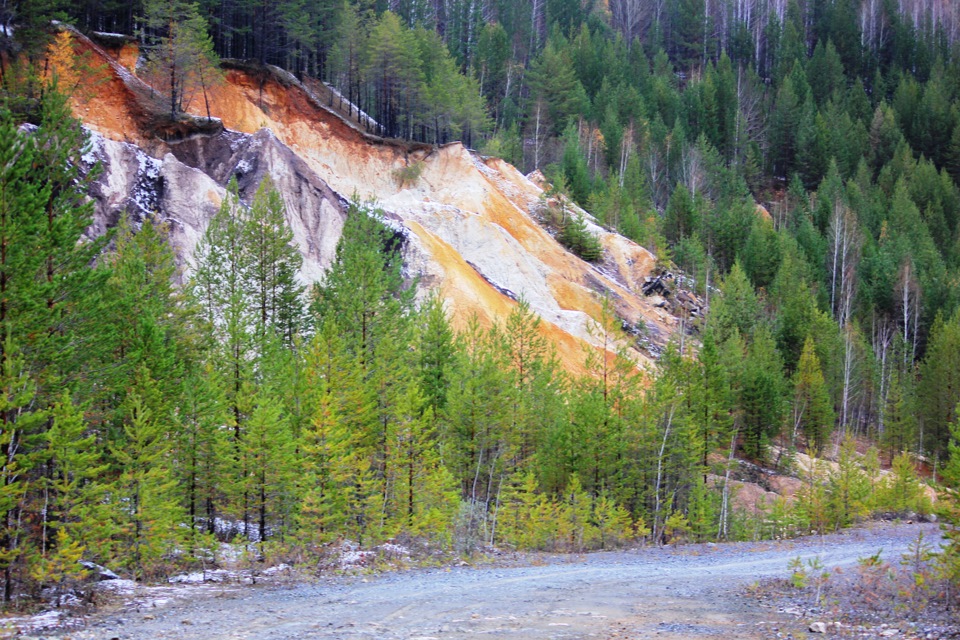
pixel 470 222
pixel 185 188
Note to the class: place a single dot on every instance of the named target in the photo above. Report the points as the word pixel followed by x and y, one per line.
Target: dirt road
pixel 687 592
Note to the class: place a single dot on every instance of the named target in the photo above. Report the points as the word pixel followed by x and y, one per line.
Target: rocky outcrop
pixel 470 222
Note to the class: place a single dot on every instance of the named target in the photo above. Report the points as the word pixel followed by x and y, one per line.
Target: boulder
pixel 98 572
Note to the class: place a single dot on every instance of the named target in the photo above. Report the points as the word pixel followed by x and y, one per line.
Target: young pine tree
pixel 812 410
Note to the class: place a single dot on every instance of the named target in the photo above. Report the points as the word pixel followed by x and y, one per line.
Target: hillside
pixel 470 222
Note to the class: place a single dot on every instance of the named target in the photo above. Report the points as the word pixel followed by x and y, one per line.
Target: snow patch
pixel 94 150
pixel 31 624
pixel 120 587
pixel 395 550
pixel 283 567
pixel 201 577
pixel 146 193
pixel 349 555
pixel 362 116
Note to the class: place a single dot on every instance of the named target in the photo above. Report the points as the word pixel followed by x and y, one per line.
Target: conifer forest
pixel 146 413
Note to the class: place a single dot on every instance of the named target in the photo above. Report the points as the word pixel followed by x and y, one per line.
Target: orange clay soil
pixel 356 163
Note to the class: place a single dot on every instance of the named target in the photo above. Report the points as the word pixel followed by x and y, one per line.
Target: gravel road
pixel 692 591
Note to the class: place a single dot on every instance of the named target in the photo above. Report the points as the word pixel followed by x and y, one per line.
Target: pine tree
pixel 435 352
pixel 949 508
pixel 577 532
pixel 761 255
pixel 268 454
pixel 74 487
pixel 900 418
pixel 849 491
pixel 812 410
pixel 276 297
pixel 46 296
pixel 681 219
pixel 142 496
pixel 554 82
pixel 938 391
pixel 575 236
pixel 762 390
pixel 612 521
pixel 335 387
pixel 477 446
pixel 364 290
pixel 143 314
pixel 702 511
pixel 202 449
pixel 737 309
pixel 181 58
pixel 220 286
pixel 393 65
pixel 902 491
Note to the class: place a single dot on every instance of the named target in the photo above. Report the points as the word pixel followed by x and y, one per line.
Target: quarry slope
pixel 470 222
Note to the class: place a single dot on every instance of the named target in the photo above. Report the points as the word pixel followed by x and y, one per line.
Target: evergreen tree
pixel 142 496
pixel 761 254
pixel 738 309
pixel 435 352
pixel 681 218
pixel 938 391
pixel 276 295
pixel 364 290
pixel 219 285
pixel 812 410
pixel 74 486
pixel 849 491
pixel 268 453
pixel 575 236
pixel 762 391
pixel 477 446
pixel 554 82
pixel 181 58
pixel 46 299
pixel 949 508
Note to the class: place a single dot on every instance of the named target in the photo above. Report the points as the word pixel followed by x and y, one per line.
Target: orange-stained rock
pixel 471 222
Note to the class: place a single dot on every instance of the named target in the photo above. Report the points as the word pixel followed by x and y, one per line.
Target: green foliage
pixel 761 394
pixel 813 498
pixel 809 574
pixel 554 83
pixel 575 236
pixel 850 490
pixel 812 409
pixel 144 511
pixel 902 491
pixel 938 389
pixel 60 568
pixel 181 58
pixel 948 508
pixel 738 308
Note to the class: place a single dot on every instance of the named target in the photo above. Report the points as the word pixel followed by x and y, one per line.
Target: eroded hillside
pixel 470 221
